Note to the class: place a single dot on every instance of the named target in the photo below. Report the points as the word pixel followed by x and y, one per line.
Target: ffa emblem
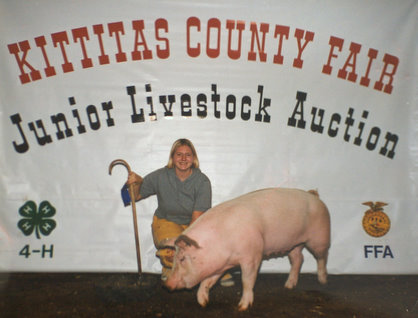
pixel 375 222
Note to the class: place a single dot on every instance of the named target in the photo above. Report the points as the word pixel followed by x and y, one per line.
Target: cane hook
pixel 119 162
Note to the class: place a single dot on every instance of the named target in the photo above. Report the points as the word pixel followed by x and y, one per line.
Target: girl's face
pixel 183 159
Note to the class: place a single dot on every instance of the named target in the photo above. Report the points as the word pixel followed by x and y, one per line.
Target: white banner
pixel 313 95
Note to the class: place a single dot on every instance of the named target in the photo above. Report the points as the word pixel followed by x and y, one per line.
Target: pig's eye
pixel 182 259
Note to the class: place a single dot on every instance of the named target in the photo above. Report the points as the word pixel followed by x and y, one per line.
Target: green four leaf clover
pixel 37 220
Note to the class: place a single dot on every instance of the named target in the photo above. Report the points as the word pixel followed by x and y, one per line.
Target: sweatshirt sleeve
pixel 203 200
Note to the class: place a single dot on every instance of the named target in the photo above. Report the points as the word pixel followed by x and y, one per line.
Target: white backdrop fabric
pixel 306 94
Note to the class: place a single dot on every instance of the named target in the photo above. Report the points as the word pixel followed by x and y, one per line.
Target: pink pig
pixel 265 223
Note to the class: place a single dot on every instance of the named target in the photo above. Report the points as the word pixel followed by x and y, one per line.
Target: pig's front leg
pixel 203 291
pixel 249 271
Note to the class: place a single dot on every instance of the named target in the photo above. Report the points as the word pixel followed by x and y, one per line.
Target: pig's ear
pixel 184 241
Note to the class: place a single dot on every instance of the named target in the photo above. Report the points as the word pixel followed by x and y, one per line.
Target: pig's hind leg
pixel 296 260
pixel 321 257
pixel 319 250
pixel 322 269
pixel 203 291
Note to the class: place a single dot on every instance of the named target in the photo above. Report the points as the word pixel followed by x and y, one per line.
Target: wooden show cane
pixel 131 193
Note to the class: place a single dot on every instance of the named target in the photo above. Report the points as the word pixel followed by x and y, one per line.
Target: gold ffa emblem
pixel 375 222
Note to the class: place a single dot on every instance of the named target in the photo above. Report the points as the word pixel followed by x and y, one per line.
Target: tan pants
pixel 162 231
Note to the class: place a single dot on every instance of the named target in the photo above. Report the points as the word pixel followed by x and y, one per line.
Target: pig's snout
pixel 167 282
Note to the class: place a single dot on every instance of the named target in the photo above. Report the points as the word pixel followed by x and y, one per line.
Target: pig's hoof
pixel 290 285
pixel 245 302
pixel 203 300
pixel 322 280
pixel 243 307
pixel 322 277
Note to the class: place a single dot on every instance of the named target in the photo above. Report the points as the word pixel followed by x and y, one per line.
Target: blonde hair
pixel 183 142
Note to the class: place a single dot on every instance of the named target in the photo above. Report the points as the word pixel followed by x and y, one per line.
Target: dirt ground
pixel 124 295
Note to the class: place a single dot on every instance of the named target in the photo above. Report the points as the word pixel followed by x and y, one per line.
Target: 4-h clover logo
pixel 38 220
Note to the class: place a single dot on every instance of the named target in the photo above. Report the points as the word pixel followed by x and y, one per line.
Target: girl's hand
pixel 133 178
